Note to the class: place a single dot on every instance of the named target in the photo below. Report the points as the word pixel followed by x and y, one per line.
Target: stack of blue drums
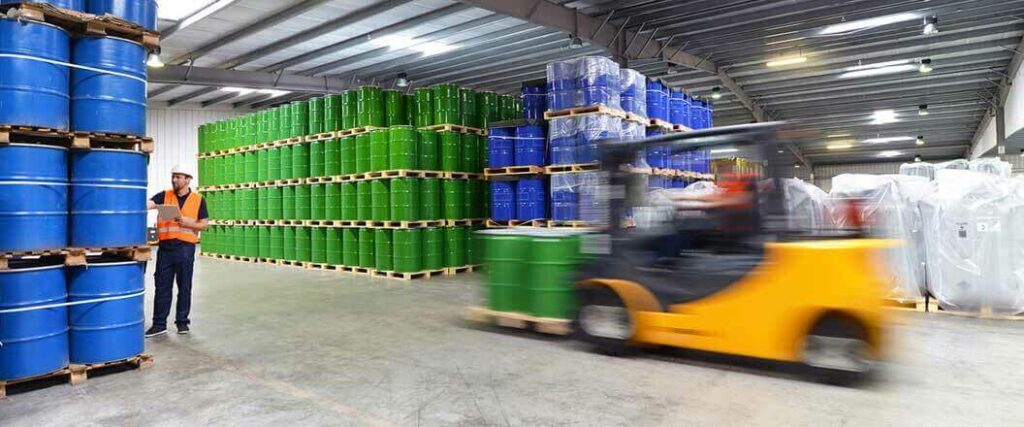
pixel 529 146
pixel 590 80
pixel 140 12
pixel 535 102
pixel 501 147
pixel 657 100
pixel 634 92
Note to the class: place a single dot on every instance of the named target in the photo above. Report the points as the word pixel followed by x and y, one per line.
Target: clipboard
pixel 167 212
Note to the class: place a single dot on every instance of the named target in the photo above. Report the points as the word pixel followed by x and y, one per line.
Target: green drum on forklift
pixel 505 255
pixel 552 262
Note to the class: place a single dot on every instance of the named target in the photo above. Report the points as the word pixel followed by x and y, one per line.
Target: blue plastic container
pixel 561 85
pixel 678 108
pixel 34 342
pixel 34 93
pixel 598 81
pixel 33 197
pixel 109 103
pixel 709 116
pixel 530 200
pixel 529 145
pixel 698 111
pixel 535 102
pixel 503 200
pixel 111 330
pixel 563 150
pixel 591 130
pixel 657 182
pixel 657 108
pixel 141 12
pixel 501 148
pixel 565 205
pixel 108 198
pixel 678 183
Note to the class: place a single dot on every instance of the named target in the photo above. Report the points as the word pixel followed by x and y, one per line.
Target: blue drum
pixel 33 197
pixel 678 108
pixel 33 92
pixel 531 200
pixel 108 198
pixel 113 101
pixel 503 200
pixel 535 102
pixel 561 85
pixel 500 147
pixel 565 204
pixel 111 330
pixel 598 81
pixel 141 12
pixel 656 105
pixel 529 145
pixel 35 341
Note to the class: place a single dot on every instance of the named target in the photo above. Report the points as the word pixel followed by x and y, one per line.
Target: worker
pixel 176 257
pixel 735 208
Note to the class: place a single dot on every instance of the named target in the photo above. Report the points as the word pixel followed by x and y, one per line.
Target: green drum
pixel 471 153
pixel 303 244
pixel 364 201
pixel 251 203
pixel 366 259
pixel 349 112
pixel 428 150
pixel 474 246
pixel 332 198
pixel 433 248
pixel 450 149
pixel 518 109
pixel 252 242
pixel 348 155
pixel 332 113
pixel 289 244
pixel 424 107
pixel 507 273
pixel 487 108
pixel 468 114
pixel 383 251
pixel 241 205
pixel 227 166
pixel 379 150
pixel 284 120
pixel 251 123
pixel 369 107
pixel 303 202
pixel 381 203
pixel 264 239
pixel 333 246
pixel 453 195
pixel 227 210
pixel 430 199
pixel 317 159
pixel 362 152
pixel 332 157
pixel 403 148
pixel 395 109
pixel 473 207
pixel 455 246
pixel 408 250
pixel 276 243
pixel 262 127
pixel 300 160
pixel 405 199
pixel 262 204
pixel 410 109
pixel 349 202
pixel 350 247
pixel 273 164
pixel 318 201
pixel 286 162
pixel 552 264
pixel 485 198
pixel 316 117
pixel 274 203
pixel 288 202
pixel 446 104
pixel 507 105
pixel 318 245
pixel 262 165
pixel 300 118
pixel 273 124
pixel 252 166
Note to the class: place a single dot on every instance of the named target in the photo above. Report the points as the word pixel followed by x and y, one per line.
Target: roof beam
pixel 199 15
pixel 216 77
pixel 1004 92
pixel 614 38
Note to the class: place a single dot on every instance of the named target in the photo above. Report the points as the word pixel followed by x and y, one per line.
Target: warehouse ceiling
pixel 840 61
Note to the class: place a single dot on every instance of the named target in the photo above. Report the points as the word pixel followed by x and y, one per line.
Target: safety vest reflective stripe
pixel 176 230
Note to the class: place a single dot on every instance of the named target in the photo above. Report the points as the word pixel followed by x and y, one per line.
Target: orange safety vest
pixel 170 230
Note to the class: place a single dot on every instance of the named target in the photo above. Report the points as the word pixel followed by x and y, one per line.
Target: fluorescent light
pixel 920 140
pixel 154 61
pixel 434 48
pixel 922 110
pixel 840 135
pixel 724 150
pixel 397 42
pixel 839 146
pixel 926 66
pixel 890 153
pixel 931 26
pixel 242 91
pixel 862 24
pixel 202 13
pixel 887 140
pixel 787 61
pixel 877 65
pixel 884 117
pixel 274 93
pixel 175 10
pixel 870 72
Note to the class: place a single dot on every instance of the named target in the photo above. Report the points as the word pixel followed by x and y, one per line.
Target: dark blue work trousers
pixel 175 259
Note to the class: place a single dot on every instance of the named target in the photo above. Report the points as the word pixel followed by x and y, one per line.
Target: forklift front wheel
pixel 603 321
pixel 837 352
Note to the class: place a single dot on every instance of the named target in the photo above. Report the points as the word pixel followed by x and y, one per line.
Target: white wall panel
pixel 987 140
pixel 823 174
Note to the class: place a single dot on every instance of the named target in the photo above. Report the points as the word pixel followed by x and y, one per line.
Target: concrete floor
pixel 276 346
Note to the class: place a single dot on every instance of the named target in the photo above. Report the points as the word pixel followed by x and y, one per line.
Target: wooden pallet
pixel 660 124
pixel 77 140
pixel 355 270
pixel 288 263
pixel 544 325
pixel 77 374
pixel 463 175
pixel 463 222
pixel 636 118
pixel 681 128
pixel 248 259
pixel 455 128
pixel 577 168
pixel 426 274
pixel 985 312
pixel 323 179
pixel 319 266
pixel 399 224
pixel 451 271
pixel 78 256
pixel 403 173
pixel 584 111
pixel 357 131
pixel 84 140
pixel 664 172
pixel 907 304
pixel 81 23
pixel 513 171
pixel 570 224
pixel 514 223
pixel 320 137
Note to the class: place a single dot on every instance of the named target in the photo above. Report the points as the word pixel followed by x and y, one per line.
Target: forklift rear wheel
pixel 604 322
pixel 836 351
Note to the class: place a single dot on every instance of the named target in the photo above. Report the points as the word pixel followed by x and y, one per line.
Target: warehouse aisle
pixel 275 346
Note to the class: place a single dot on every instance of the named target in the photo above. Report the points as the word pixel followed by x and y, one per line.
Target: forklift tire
pixel 603 322
pixel 835 352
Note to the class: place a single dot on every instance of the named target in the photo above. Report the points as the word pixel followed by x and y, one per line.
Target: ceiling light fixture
pixel 922 110
pixel 839 146
pixel 871 72
pixel 575 43
pixel 884 117
pixel 931 25
pixel 787 61
pixel 796 166
pixel 920 140
pixel 840 135
pixel 886 140
pixel 890 154
pixel 917 159
pixel 863 24
pixel 877 65
pixel 926 66
pixel 716 93
pixel 403 80
pixel 154 61
pixel 724 150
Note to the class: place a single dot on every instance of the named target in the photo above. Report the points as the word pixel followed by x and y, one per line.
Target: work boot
pixel 156 331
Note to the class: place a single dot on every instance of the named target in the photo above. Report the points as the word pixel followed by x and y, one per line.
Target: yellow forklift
pixel 811 298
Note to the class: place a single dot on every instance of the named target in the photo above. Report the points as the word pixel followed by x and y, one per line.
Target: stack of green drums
pixel 447 104
pixel 370 107
pixel 469 114
pixel 395 109
pixel 487 107
pixel 424 107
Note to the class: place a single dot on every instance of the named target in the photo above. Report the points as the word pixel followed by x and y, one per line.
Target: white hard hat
pixel 182 170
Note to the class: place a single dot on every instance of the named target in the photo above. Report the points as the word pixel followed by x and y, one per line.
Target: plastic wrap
pixel 634 92
pixel 565 197
pixel 590 80
pixel 678 108
pixel 808 207
pixel 562 141
pixel 992 166
pixel 923 169
pixel 886 214
pixel 973 239
pixel 592 129
pixel 593 197
pixel 657 100
pixel 958 164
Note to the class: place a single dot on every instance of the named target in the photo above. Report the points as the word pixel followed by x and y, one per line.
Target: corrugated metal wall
pixel 823 174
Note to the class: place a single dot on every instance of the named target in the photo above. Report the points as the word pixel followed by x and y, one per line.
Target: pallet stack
pixel 367 181
pixel 73 156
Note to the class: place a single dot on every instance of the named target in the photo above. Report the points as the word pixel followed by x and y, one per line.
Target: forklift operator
pixel 734 208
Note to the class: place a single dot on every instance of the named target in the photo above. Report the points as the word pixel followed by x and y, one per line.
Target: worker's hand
pixel 187 222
